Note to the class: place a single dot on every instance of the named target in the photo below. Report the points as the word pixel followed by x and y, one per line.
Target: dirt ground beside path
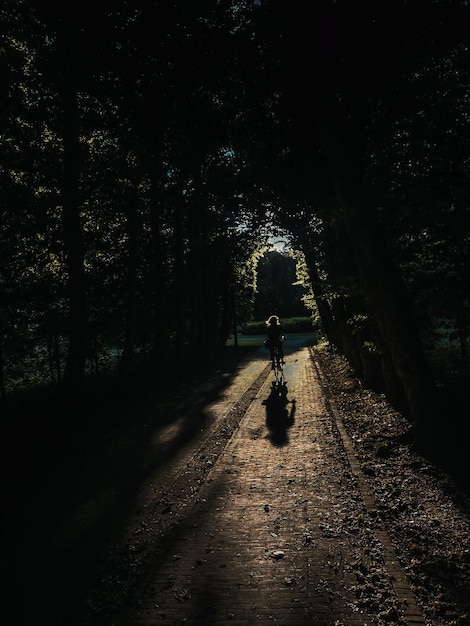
pixel 426 514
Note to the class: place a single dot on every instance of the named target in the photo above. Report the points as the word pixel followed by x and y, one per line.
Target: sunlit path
pixel 266 539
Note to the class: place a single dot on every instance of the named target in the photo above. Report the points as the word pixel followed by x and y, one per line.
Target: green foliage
pixel 188 149
pixel 278 290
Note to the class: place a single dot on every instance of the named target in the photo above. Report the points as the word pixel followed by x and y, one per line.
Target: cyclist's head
pixel 273 321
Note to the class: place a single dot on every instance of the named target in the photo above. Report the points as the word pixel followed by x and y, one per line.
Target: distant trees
pixel 277 292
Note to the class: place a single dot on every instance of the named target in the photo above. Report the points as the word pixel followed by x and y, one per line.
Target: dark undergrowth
pixel 40 426
pixel 453 436
pixel 449 431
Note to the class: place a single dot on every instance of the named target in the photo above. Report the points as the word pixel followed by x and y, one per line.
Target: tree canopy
pixel 147 148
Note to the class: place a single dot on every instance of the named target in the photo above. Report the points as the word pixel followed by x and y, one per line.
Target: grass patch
pixel 247 341
pixel 254 341
pixel 290 326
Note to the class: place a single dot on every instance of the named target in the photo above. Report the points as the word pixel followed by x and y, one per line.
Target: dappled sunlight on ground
pixel 170 433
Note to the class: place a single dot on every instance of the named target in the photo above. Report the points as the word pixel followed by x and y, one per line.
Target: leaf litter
pixel 426 514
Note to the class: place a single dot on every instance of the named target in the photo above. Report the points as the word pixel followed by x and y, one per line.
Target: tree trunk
pixel 56 357
pixel 348 345
pixel 180 285
pixel 198 272
pixel 161 328
pixel 226 312
pixel 324 310
pixel 362 330
pixel 73 240
pixel 393 386
pixel 127 357
pixel 3 392
pixel 462 328
pixel 53 356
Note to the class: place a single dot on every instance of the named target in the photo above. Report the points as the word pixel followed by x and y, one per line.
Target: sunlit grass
pixel 248 341
pixel 254 341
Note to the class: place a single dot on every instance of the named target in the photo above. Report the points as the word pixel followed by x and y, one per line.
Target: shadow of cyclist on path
pixel 278 417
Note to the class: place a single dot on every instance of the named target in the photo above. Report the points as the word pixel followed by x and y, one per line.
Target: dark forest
pixel 149 150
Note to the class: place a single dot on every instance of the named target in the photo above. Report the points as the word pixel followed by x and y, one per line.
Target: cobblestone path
pixel 281 530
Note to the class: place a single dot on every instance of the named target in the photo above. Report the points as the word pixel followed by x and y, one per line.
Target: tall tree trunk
pixel 198 272
pixel 393 387
pixel 180 284
pixel 53 350
pixel 56 356
pixel 3 391
pixel 324 309
pixel 348 343
pixel 462 329
pixel 127 357
pixel 161 327
pixel 362 330
pixel 226 305
pixel 73 238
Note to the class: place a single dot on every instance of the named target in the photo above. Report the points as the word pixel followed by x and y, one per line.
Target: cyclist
pixel 274 337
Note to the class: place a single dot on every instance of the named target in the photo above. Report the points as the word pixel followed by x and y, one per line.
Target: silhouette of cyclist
pixel 274 336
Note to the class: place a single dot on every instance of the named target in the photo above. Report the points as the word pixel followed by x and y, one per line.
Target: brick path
pixel 282 529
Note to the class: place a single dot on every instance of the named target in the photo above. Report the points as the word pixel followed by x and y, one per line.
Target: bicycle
pixel 277 365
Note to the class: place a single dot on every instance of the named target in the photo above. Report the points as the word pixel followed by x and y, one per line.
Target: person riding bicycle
pixel 274 336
